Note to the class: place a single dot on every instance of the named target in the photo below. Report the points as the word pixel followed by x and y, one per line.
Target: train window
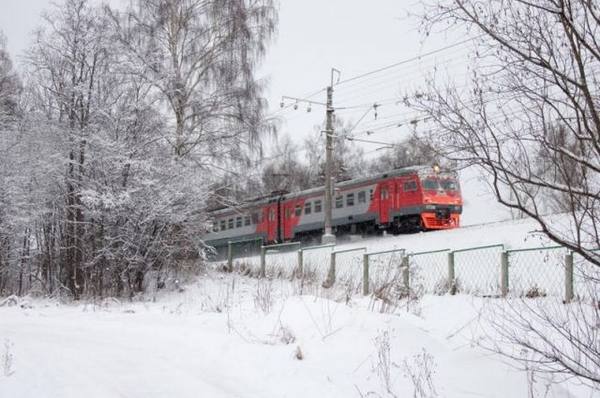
pixel 449 185
pixel 410 186
pixel 215 227
pixel 384 193
pixel 350 199
pixel 362 197
pixel 307 208
pixel 271 215
pixel 430 184
pixel 223 225
pixel 371 194
pixel 238 222
pixel 247 220
pixel 230 223
pixel 255 218
pixel 317 206
pixel 339 202
pixel 288 212
pixel 298 210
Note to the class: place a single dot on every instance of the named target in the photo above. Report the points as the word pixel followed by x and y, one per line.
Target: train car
pixel 403 200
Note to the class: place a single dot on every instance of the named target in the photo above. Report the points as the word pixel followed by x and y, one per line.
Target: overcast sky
pixel 354 36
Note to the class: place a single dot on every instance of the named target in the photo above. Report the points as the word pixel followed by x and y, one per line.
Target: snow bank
pixel 230 336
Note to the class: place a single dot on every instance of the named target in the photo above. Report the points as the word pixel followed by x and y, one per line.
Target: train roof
pixel 263 200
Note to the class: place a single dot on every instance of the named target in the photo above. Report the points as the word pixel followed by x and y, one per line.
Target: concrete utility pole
pixel 328 236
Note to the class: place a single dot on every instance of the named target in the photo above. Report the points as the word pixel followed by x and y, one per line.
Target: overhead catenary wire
pixel 418 117
pixel 285 110
pixel 492 118
pixel 406 61
pixel 370 86
pixel 379 75
pixel 379 70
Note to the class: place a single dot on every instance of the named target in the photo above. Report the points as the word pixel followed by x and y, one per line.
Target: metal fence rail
pixel 280 264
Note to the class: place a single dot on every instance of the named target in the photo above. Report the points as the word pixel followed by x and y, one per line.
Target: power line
pixel 396 76
pixel 406 61
pixel 306 98
pixel 370 141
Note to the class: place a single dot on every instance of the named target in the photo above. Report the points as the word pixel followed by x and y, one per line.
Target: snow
pixel 228 335
pixel 479 202
pixel 233 336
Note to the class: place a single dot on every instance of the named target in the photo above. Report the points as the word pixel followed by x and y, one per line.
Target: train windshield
pixel 440 183
pixel 449 184
pixel 431 184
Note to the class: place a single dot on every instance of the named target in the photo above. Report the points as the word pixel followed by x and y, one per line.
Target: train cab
pixel 442 201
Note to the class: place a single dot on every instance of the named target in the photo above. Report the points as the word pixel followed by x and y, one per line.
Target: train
pixel 409 199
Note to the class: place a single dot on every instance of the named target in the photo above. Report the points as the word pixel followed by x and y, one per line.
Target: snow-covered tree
pixel 128 118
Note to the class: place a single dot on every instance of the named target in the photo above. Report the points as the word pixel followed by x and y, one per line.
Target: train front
pixel 442 201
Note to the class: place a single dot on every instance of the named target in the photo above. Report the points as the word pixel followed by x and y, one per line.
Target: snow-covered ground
pixel 232 336
pixel 228 335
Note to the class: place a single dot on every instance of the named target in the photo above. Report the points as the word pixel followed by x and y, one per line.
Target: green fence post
pixel 365 274
pixel 451 274
pixel 300 263
pixel 405 274
pixel 263 266
pixel 330 279
pixel 569 294
pixel 504 273
pixel 332 268
pixel 229 256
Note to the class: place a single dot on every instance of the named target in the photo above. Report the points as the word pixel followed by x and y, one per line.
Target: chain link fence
pixel 484 270
pixel 383 272
pixel 537 272
pixel 314 262
pixel 477 270
pixel 586 278
pixel 347 270
pixel 242 249
pixel 429 271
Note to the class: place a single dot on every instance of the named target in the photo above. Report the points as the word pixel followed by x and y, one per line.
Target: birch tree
pixel 201 56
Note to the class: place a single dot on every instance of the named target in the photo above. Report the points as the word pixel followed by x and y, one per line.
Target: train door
pixel 386 201
pixel 272 227
pixel 410 195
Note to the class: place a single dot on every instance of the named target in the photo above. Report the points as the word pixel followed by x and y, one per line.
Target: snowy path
pixel 174 348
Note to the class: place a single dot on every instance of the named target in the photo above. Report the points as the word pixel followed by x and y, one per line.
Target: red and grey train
pixel 407 199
